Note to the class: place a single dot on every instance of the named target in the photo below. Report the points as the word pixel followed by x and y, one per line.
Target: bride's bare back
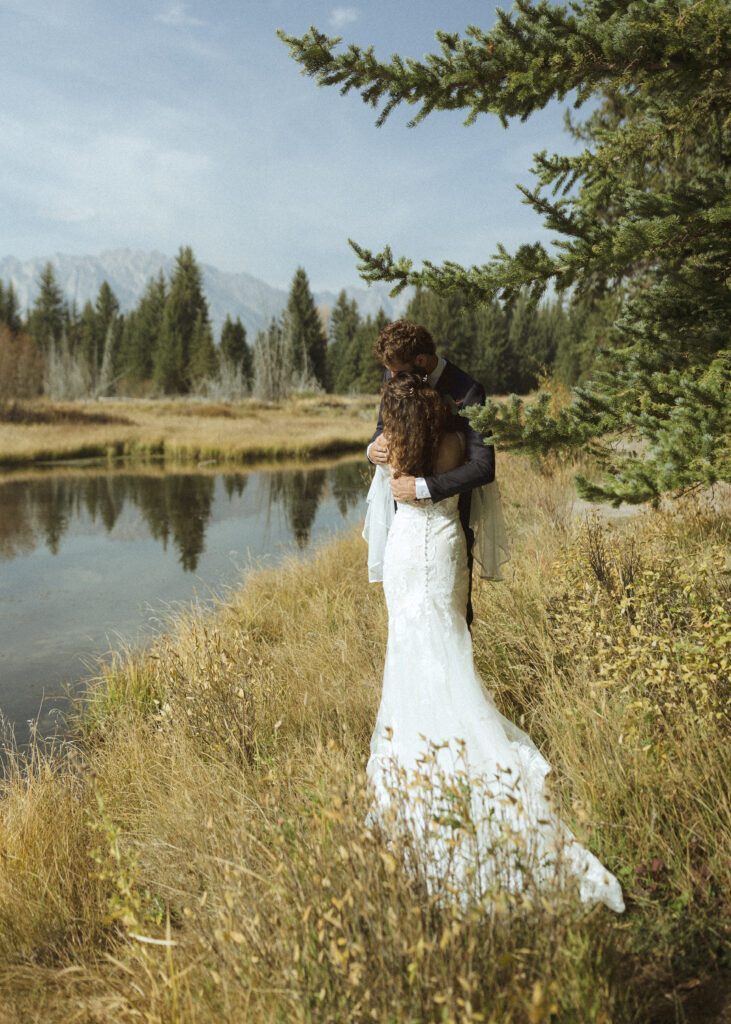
pixel 451 451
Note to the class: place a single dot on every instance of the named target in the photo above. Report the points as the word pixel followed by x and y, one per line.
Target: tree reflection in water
pixel 177 506
pixel 349 483
pixel 299 493
pixel 104 497
pixel 174 506
pixel 235 484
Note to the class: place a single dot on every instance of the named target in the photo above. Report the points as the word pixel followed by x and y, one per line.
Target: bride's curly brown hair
pixel 413 418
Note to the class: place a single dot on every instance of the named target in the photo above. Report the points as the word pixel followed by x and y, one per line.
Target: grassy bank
pixel 199 854
pixel 185 430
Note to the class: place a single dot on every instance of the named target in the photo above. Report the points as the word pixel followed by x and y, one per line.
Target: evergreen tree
pixel 504 352
pixel 203 360
pixel 493 361
pixel 86 343
pixel 186 311
pixel 306 335
pixel 449 321
pixel 71 323
pixel 533 337
pixel 342 357
pixel 234 348
pixel 522 320
pixel 645 205
pixel 370 372
pixel 48 313
pixel 142 329
pixel 9 308
pixel 586 332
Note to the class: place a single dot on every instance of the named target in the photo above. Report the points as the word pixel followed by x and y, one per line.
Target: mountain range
pixel 127 273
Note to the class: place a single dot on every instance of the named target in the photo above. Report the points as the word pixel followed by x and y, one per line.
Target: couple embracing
pixel 432 508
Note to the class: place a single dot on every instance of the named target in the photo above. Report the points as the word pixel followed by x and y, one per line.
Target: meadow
pixel 184 430
pixel 195 851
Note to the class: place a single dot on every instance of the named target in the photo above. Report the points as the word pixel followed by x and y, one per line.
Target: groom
pixel 404 345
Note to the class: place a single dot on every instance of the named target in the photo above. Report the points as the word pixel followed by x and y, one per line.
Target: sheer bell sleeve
pixel 491 541
pixel 378 520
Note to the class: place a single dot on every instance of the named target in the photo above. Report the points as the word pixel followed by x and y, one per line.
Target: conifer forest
pixel 166 344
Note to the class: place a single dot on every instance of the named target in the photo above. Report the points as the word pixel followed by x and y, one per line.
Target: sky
pixel 152 124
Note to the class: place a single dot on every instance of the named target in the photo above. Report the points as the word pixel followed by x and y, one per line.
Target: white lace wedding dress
pixel 467 782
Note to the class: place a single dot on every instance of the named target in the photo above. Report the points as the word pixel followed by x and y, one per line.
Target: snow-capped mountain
pixel 127 273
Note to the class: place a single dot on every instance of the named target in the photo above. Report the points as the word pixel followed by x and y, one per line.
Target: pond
pixel 92 559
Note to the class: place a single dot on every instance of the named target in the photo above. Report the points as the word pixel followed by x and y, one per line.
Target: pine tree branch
pixel 504 277
pixel 534 54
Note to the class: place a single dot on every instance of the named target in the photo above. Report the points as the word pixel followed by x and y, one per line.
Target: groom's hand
pixel 404 488
pixel 378 451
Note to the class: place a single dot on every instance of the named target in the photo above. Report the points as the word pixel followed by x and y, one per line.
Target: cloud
pixel 101 187
pixel 62 214
pixel 342 16
pixel 177 16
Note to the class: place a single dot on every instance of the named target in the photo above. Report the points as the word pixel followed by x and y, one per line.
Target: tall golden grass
pixel 186 430
pixel 197 851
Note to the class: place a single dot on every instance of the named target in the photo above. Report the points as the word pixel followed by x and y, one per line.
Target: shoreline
pixel 185 430
pixel 161 467
pixel 158 452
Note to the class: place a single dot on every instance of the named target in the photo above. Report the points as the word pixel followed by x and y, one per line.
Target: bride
pixel 466 782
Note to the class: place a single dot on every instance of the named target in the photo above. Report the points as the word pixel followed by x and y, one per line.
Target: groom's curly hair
pixel 402 341
pixel 413 418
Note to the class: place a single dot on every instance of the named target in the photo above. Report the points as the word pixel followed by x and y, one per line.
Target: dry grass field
pixel 196 851
pixel 185 429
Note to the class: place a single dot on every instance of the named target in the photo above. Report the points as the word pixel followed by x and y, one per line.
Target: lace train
pixel 468 783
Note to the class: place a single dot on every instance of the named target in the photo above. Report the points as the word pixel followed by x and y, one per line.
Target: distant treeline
pixel 166 345
pixel 507 351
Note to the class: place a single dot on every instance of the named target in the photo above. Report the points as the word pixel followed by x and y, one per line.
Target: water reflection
pixel 299 494
pixel 176 507
pixel 90 559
